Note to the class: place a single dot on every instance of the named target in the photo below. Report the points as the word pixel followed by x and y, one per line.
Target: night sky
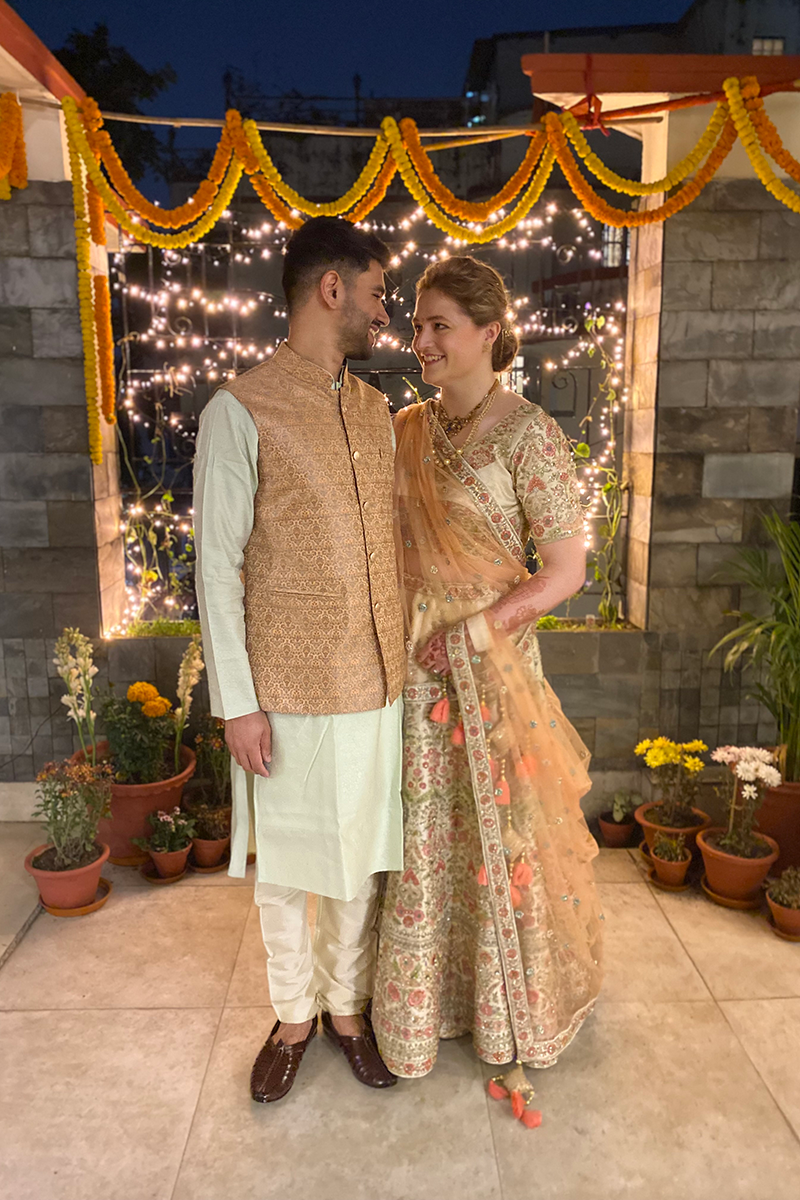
pixel 416 48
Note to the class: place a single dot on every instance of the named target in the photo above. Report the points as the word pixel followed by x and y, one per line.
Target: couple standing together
pixel 369 630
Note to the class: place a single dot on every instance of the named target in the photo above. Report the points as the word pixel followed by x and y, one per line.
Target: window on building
pixel 768 45
pixel 613 246
pixel 519 380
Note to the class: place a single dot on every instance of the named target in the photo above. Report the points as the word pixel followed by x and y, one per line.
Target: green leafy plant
pixel 624 805
pixel 140 728
pixel 548 622
pixel 786 890
pixel 171 831
pixel 213 758
pixel 670 849
pixel 162 627
pixel 72 799
pixel 770 641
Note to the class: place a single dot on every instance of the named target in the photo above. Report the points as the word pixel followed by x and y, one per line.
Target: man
pixel 303 641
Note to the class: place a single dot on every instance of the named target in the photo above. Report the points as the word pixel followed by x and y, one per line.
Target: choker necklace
pixel 452 426
pixel 474 418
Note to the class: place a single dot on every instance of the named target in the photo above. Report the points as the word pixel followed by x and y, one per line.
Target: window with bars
pixel 614 246
pixel 768 45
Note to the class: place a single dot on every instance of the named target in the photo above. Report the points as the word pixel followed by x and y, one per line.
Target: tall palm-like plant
pixel 771 640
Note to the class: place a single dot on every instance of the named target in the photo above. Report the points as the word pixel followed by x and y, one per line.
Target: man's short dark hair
pixel 327 244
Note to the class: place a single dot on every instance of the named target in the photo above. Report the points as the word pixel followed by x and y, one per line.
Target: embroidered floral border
pixel 492 843
pixel 499 523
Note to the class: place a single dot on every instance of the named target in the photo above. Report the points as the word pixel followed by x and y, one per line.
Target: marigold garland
pixel 85 305
pixel 141 233
pixel 13 159
pixel 749 139
pixel 467 210
pixel 105 347
pixel 438 218
pixel 602 211
pixel 769 137
pixel 335 208
pixel 376 192
pixel 100 141
pixel 631 187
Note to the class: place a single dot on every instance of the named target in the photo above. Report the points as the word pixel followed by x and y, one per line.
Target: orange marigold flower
pixel 156 708
pixel 140 693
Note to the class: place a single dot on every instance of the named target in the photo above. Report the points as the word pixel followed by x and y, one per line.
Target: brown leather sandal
pixel 362 1054
pixel 277 1065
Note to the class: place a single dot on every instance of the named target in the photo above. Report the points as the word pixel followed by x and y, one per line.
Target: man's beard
pixel 355 338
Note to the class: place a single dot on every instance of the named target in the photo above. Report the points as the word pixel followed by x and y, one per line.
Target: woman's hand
pixel 433 656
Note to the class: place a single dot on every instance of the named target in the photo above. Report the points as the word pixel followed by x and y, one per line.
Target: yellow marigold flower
pixel 156 708
pixel 696 747
pixel 643 747
pixel 142 692
pixel 693 765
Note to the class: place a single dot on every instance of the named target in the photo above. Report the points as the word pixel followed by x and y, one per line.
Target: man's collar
pixel 310 372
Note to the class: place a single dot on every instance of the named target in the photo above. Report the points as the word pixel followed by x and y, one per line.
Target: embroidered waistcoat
pixel 322 611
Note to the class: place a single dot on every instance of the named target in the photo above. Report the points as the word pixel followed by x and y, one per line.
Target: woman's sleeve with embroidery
pixel 546 482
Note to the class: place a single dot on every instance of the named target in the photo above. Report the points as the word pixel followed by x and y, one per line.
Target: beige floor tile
pixel 19 896
pixel 148 948
pixel 615 866
pixel 332 1138
pixel 651 1102
pixel 124 877
pixel 735 952
pixel 643 958
pixel 249 986
pixel 97 1105
pixel 769 1030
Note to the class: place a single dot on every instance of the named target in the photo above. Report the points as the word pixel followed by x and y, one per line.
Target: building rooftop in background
pixel 496 88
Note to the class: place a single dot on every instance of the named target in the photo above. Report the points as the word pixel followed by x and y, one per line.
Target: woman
pixel 493 928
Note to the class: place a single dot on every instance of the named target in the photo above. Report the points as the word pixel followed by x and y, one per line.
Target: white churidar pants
pixel 336 970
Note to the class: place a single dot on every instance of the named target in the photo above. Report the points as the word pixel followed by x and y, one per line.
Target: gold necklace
pixel 485 407
pixel 451 426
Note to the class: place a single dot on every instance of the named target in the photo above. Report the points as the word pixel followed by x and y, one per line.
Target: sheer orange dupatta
pixel 527 764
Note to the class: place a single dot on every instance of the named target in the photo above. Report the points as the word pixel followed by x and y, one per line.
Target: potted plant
pixel 769 639
pixel 618 822
pixel 671 858
pixel 783 898
pixel 737 858
pixel 208 798
pixel 676 769
pixel 72 799
pixel 169 843
pixel 144 741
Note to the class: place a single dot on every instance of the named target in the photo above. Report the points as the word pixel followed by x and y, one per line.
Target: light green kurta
pixel 330 813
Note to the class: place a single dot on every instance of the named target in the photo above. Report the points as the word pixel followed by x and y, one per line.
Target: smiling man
pixel 303 640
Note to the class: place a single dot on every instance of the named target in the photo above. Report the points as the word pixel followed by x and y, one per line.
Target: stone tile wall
pixel 728 396
pixel 61 559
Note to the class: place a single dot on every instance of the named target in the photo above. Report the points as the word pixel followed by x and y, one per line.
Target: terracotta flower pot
pixel 170 862
pixel 615 834
pixel 672 873
pixel 779 818
pixel 787 919
pixel 131 805
pixel 67 889
pixel 208 851
pixel 733 877
pixel 651 828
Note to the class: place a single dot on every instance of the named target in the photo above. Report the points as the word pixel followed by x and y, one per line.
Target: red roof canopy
pixel 586 74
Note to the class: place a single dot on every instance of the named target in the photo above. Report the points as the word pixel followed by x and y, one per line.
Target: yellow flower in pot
pixel 676 768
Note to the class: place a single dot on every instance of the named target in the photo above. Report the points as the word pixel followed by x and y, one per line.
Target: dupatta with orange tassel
pixel 458 553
